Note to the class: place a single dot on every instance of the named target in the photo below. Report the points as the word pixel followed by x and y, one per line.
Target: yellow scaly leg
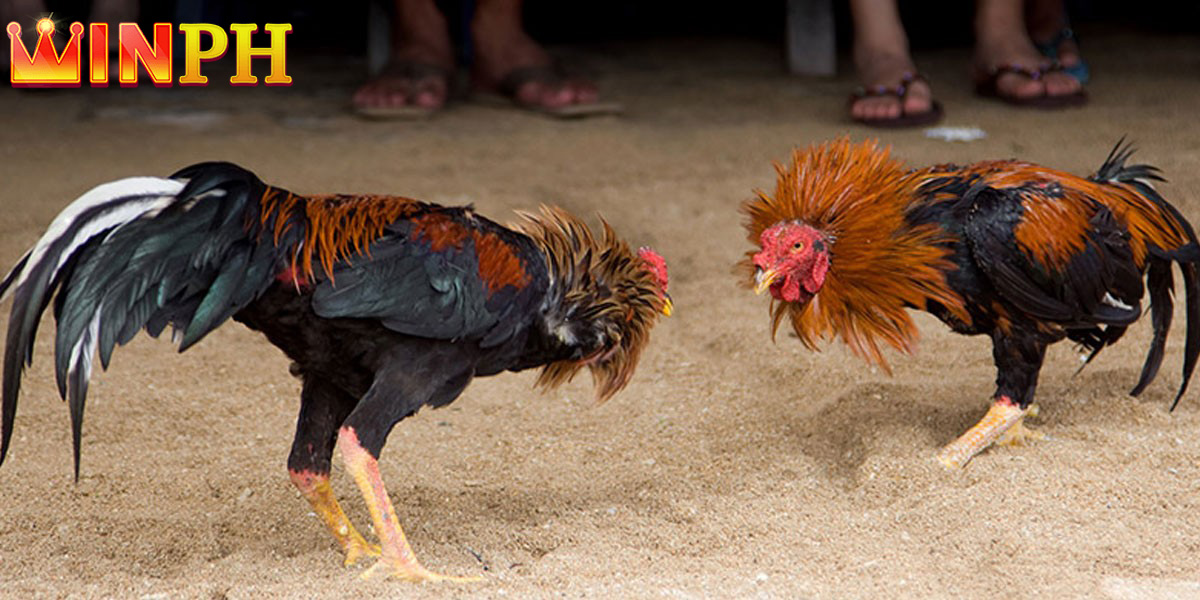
pixel 1003 416
pixel 396 558
pixel 316 489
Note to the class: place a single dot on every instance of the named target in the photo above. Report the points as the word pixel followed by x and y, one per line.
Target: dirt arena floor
pixel 732 467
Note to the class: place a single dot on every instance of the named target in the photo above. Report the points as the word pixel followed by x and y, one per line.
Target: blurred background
pixel 341 28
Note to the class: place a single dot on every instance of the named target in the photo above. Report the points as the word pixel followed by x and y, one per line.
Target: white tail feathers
pixel 84 350
pixel 104 207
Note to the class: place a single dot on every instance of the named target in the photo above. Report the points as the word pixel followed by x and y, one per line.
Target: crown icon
pixel 45 67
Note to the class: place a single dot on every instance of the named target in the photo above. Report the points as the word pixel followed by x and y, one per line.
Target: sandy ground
pixel 730 467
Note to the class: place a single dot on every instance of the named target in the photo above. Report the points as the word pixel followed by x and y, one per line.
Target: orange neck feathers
pixel 338 226
pixel 857 195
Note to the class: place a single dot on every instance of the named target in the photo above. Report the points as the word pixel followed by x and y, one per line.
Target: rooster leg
pixel 323 407
pixel 1000 418
pixel 316 489
pixel 1018 355
pixel 397 559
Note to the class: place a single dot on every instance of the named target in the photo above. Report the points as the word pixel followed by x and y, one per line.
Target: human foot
pixel 416 81
pixel 1048 26
pixel 1009 67
pixel 404 89
pixel 1039 87
pixel 510 63
pixel 893 94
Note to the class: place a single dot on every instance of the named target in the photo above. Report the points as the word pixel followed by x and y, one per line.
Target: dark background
pixel 321 26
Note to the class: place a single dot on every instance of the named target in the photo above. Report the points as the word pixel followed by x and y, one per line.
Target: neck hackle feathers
pixel 857 196
pixel 604 286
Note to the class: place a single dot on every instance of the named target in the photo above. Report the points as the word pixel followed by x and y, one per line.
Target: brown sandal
pixel 928 117
pixel 988 88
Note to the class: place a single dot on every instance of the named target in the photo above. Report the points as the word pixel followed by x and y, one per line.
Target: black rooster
pixel 384 305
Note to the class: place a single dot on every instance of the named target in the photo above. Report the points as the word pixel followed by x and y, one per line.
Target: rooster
pixel 384 305
pixel 1024 254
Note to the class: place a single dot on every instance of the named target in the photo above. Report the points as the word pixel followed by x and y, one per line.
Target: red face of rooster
pixel 658 267
pixel 793 262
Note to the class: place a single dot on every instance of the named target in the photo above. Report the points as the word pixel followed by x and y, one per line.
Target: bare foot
pixel 503 48
pixel 1001 41
pixel 418 75
pixel 881 71
pixel 891 88
pixel 1066 49
pixel 1022 54
pixel 1048 27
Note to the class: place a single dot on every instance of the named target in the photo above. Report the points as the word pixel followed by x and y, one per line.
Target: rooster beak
pixel 668 307
pixel 764 279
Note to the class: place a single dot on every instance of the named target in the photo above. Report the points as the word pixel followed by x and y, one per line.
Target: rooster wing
pixel 1098 283
pixel 487 286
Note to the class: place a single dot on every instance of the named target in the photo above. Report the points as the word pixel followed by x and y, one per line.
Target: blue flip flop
pixel 1049 49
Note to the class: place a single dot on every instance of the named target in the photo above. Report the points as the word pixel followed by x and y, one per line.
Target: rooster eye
pixel 798 246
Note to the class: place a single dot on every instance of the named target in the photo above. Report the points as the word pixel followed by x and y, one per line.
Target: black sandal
pixel 988 89
pixel 928 117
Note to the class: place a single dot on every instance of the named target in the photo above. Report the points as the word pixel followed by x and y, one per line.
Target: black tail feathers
pixel 139 253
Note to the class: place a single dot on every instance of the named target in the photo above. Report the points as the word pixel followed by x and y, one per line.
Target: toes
pixel 885 110
pixel 911 95
pixel 429 98
pixel 376 95
pixel 1061 84
pixel 1068 53
pixel 556 94
pixel 357 551
pixel 1019 85
pixel 586 93
pixel 397 92
pixel 555 97
pixel 918 100
pixel 392 98
pixel 876 108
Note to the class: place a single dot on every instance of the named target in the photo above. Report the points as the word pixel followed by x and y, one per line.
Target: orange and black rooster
pixel 384 305
pixel 1021 253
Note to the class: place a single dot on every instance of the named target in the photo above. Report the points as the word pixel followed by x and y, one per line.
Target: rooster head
pixel 793 262
pixel 605 298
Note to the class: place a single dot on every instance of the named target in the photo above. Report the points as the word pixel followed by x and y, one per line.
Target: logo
pixel 46 66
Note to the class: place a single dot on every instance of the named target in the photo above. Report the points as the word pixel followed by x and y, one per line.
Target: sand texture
pixel 731 467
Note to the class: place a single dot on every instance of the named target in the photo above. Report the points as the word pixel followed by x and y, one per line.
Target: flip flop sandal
pixel 552 75
pixel 928 117
pixel 1049 49
pixel 988 89
pixel 414 74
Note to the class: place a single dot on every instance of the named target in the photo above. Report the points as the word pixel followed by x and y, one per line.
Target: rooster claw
pixel 357 550
pixel 1019 435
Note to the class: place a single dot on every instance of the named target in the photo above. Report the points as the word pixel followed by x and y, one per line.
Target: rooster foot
pixel 357 549
pixel 1019 435
pixel 393 568
pixel 1002 421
